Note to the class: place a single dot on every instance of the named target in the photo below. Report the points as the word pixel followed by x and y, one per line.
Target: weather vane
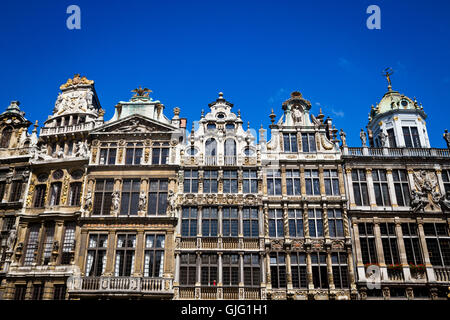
pixel 388 72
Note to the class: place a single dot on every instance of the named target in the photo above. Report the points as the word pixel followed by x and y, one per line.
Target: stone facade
pixel 134 208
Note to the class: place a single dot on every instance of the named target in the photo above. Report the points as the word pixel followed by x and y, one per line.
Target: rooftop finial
pixel 388 72
pixel 139 92
pixel 272 117
pixel 220 95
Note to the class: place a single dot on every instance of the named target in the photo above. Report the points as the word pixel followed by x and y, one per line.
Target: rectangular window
pixel 391 138
pixel 278 270
pixel 360 187
pixel 250 181
pixel 312 182
pixel 39 195
pixel 252 270
pixel 20 292
pixel 68 246
pixel 230 221
pixel 331 181
pixel 340 270
pixel 290 142
pixel 133 154
pixel 276 224
pixel 401 187
pixel 48 243
pixel 380 186
pixel 335 223
pixel 293 182
pixel 412 244
pixel 37 292
pixel 250 223
pixel 367 241
pixel 389 241
pixel 319 270
pixel 157 197
pixel 315 223
pixel 209 222
pixel 154 255
pixel 75 194
pixel 308 142
pixel 438 243
pixel 190 183
pixel 103 196
pixel 230 181
pixel 32 245
pixel 59 292
pixel 189 222
pixel 446 180
pixel 96 257
pixel 160 153
pixel 55 193
pixel 298 270
pixel 295 223
pixel 2 189
pixel 210 179
pixel 16 191
pixel 129 202
pixel 209 265
pixel 188 269
pixel 273 182
pixel 126 244
pixel 108 153
pixel 230 269
pixel 411 136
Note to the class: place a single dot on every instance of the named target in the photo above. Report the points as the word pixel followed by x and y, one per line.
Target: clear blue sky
pixel 256 52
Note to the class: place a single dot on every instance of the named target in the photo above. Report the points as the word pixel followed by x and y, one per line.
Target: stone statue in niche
pixel 11 238
pixel 171 201
pixel 88 200
pixel 142 201
pixel 382 136
pixel 81 149
pixel 297 116
pixel 418 201
pixel 115 201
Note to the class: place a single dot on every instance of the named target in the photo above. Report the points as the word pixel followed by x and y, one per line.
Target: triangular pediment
pixel 135 124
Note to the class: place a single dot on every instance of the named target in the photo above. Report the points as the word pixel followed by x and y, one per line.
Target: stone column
pixel 241 269
pixel 81 248
pixel 309 271
pixel 263 269
pixel 199 272
pixel 391 188
pixel 371 191
pixel 199 221
pixel 268 275
pixel 144 189
pixel 58 236
pixel 379 248
pixel 341 180
pixel 288 271
pixel 351 270
pixel 330 271
pixel 351 196
pixel 176 281
pixel 357 249
pixel 440 181
pixel 109 268
pixel 139 255
pixel 302 180
pixel 402 250
pixel 240 222
pixel 219 221
pixel 321 181
pixel 48 291
pixel 286 222
pixel 426 256
pixel 283 180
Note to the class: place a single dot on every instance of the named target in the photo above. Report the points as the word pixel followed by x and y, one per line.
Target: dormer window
pixel 211 126
pixel 192 151
pixel 229 126
pixel 220 116
pixel 404 103
pixel 411 136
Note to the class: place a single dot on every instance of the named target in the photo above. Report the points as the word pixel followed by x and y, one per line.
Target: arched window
pixel 6 136
pixel 230 152
pixel 210 151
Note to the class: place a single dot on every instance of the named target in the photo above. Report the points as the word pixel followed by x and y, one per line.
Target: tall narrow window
pixel 312 182
pixel 209 222
pixel 273 182
pixel 389 241
pixel 190 183
pixel 360 187
pixel 230 269
pixel 308 142
pixel 290 142
pixel 68 246
pixel 230 221
pixel 210 152
pixel 315 223
pixel 209 270
pixel 20 292
pixel 401 187
pixel 59 292
pixel 335 223
pixel 380 186
pixel 276 224
pixel 16 191
pixel 319 270
pixel 130 196
pixel 278 270
pixel 250 222
pixel 210 179
pixel 340 270
pixel 189 222
pixel 446 179
pixel 39 195
pixel 96 257
pixel 154 255
pixel 298 270
pixel 391 138
pixel 75 194
pixel 331 181
pixel 411 136
pixel 412 244
pixel 438 243
pixel 188 269
pixel 367 241
pixel 157 197
pixel 37 292
pixel 160 153
pixel 252 270
pixel 103 196
pixel 133 153
pixel 230 181
pixel 230 152
pixel 293 182
pixel 296 223
pixel 55 188
pixel 108 153
pixel 6 137
pixel 48 243
pixel 126 244
pixel 2 189
pixel 250 181
pixel 32 244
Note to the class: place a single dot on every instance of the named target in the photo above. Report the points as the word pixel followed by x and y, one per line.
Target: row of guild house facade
pixel 141 207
